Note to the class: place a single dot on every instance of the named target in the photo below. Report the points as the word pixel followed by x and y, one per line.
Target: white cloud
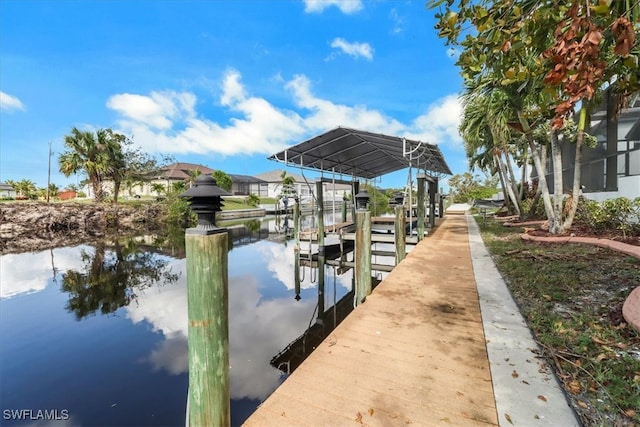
pixel 439 124
pixel 10 103
pixel 354 49
pixel 168 121
pixel 158 110
pixel 32 272
pixel 258 329
pixel 346 6
pixel 326 115
pixel 397 21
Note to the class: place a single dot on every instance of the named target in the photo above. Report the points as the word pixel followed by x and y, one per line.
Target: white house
pixel 7 191
pixel 612 168
pixel 304 188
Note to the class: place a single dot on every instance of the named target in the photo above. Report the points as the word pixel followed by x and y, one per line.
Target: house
pixel 612 168
pixel 67 194
pixel 243 185
pixel 7 191
pixel 304 188
pixel 181 172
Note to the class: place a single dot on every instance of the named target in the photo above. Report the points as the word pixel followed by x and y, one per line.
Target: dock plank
pixel 413 353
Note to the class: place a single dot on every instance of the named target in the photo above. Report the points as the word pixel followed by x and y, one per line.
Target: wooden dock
pixel 413 354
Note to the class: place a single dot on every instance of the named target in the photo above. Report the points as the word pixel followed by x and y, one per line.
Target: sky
pixel 220 83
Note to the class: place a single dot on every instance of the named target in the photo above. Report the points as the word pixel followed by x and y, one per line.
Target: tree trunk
pixel 505 195
pixel 536 199
pixel 116 190
pixel 523 176
pixel 558 181
pixel 96 184
pixel 542 184
pixel 512 195
pixel 577 172
pixel 514 187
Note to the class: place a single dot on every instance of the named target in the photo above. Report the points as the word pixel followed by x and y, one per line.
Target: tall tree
pixel 86 154
pixel 223 180
pixel 25 188
pixel 550 57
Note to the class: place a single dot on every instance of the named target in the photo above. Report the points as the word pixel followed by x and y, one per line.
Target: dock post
pixel 401 238
pixel 421 179
pixel 433 188
pixel 344 209
pixel 320 211
pixel 321 262
pixel 440 204
pixel 296 272
pixel 355 189
pixel 296 225
pixel 208 308
pixel 362 248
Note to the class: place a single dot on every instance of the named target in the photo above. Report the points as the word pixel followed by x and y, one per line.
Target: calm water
pixel 97 334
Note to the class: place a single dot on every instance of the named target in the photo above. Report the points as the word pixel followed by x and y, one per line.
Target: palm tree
pixel 111 143
pixel 485 130
pixel 25 188
pixel 84 154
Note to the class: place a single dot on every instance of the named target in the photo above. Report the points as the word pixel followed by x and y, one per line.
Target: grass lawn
pixel 571 296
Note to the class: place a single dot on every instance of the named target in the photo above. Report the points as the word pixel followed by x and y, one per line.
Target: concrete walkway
pixel 415 353
pixel 526 390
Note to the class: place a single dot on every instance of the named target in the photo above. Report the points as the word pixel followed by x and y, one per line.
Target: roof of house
pixel 4 186
pixel 245 178
pixel 276 176
pixel 181 170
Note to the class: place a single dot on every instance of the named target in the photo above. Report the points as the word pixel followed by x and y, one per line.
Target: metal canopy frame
pixel 363 154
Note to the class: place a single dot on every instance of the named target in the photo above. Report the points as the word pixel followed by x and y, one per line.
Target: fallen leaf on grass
pixel 630 413
pixel 598 341
pixel 582 404
pixel 574 387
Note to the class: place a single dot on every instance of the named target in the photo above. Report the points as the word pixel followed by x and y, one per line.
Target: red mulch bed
pixel 577 231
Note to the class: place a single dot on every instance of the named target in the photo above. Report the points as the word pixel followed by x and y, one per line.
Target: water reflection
pixel 111 279
pixel 138 353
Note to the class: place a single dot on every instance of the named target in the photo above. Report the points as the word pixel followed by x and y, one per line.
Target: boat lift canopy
pixel 363 154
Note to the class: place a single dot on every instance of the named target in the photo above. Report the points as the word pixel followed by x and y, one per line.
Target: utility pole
pixel 49 175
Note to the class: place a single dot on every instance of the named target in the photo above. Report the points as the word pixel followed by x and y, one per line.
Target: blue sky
pixel 220 83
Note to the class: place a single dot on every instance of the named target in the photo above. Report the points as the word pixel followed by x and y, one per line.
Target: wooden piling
pixel 344 210
pixel 320 212
pixel 296 272
pixel 363 255
pixel 207 295
pixel 420 226
pixel 433 188
pixel 401 237
pixel 321 263
pixel 296 223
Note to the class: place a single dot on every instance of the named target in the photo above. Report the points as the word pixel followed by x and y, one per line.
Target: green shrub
pixel 613 214
pixel 253 200
pixel 179 212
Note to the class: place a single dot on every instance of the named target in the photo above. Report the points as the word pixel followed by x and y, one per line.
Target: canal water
pixel 96 334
